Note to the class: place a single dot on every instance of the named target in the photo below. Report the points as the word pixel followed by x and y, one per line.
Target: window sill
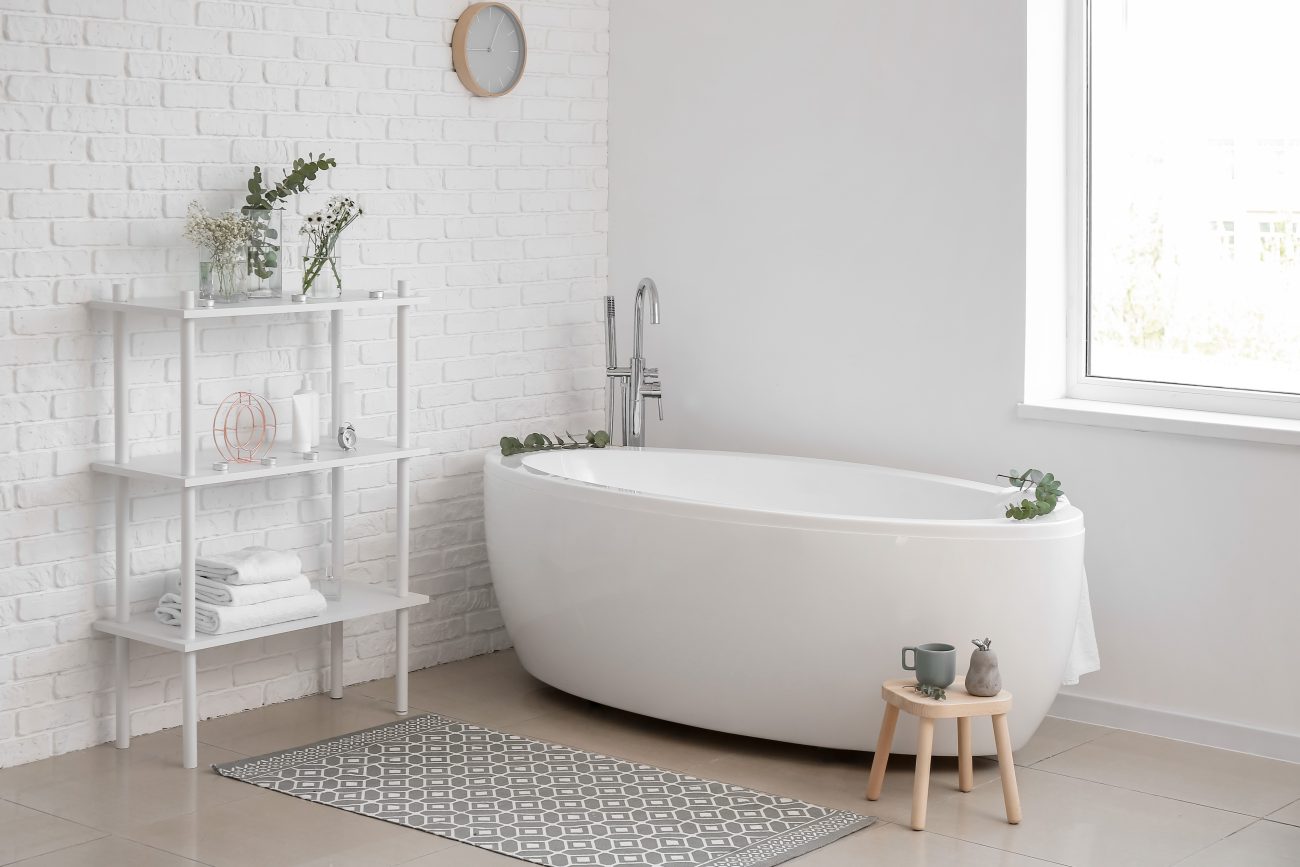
pixel 1221 425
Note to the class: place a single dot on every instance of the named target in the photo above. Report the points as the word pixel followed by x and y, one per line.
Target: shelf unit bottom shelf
pixel 359 600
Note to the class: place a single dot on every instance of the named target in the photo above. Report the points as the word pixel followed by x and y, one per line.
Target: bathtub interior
pixel 778 484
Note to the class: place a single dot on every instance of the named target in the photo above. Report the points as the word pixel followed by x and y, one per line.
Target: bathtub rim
pixel 1064 522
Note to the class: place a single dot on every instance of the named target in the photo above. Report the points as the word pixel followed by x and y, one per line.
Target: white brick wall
pixel 115 113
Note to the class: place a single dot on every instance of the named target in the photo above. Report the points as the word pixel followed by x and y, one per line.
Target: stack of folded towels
pixel 243 589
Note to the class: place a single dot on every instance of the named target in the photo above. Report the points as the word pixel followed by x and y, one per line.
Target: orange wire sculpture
pixel 243 428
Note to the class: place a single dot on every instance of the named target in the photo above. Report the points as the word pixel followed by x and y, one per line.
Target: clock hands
pixel 500 18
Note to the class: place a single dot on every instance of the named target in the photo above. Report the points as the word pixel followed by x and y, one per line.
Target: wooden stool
pixel 899 695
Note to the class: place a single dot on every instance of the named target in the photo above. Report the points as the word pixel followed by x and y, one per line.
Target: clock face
pixel 493 47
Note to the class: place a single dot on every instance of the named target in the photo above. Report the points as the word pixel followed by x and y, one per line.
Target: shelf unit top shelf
pixel 166 468
pixel 171 305
pixel 359 600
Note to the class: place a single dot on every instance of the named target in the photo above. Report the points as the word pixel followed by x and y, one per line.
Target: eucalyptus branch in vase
pixel 261 201
pixel 322 230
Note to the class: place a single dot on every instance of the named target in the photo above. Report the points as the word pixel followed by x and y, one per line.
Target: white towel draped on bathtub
pixel 1084 656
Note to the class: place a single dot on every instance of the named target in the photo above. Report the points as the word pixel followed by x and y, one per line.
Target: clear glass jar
pixel 206 290
pixel 320 272
pixel 263 258
pixel 221 281
pixel 330 587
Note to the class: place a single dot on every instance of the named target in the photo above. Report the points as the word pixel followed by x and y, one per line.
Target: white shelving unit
pixel 183 471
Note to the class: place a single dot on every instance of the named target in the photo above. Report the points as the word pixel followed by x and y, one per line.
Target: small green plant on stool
pixel 935 692
pixel 1047 490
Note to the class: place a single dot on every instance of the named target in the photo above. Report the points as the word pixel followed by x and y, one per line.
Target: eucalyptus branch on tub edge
pixel 1047 489
pixel 538 442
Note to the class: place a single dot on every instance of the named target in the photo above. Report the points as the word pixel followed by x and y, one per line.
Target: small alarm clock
pixel 348 437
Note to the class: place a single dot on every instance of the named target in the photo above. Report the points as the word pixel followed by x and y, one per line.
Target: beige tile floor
pixel 1091 796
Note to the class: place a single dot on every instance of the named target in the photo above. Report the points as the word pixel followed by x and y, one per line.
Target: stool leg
pixel 881 758
pixel 921 785
pixel 1006 764
pixel 965 763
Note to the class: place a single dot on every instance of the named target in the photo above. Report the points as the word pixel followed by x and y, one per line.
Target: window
pixel 1188 289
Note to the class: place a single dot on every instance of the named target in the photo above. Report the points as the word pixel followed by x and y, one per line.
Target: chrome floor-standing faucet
pixel 629 386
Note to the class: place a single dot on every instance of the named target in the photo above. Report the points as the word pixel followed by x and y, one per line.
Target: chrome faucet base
pixel 629 387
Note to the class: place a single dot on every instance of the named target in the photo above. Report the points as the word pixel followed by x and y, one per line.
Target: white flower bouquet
pixel 322 230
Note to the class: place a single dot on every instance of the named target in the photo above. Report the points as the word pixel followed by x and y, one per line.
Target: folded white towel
pixel 249 566
pixel 224 593
pixel 220 619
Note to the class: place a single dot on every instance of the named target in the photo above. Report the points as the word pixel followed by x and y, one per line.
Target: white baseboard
pixel 1167 724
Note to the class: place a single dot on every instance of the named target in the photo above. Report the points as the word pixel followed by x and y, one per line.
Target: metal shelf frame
pixel 181 471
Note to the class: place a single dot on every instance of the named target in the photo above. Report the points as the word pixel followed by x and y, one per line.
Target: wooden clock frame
pixel 460 58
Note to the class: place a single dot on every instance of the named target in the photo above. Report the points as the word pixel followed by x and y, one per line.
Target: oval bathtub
pixel 769 596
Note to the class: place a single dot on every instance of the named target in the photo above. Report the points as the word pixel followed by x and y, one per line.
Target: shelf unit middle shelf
pixel 166 468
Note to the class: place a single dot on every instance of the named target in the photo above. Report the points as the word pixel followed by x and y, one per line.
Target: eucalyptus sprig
pixel 935 692
pixel 1047 490
pixel 301 173
pixel 537 442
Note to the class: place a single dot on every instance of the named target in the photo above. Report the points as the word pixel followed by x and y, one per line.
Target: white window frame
pixel 1057 260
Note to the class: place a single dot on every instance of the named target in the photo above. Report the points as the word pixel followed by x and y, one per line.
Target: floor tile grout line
pixel 102 833
pixel 987 846
pixel 1148 794
pixel 1216 842
pixel 165 851
pixel 1090 740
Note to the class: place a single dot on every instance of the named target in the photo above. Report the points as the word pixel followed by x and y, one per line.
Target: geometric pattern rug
pixel 544 803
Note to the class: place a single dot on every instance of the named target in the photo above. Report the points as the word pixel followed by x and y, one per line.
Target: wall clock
pixel 488 49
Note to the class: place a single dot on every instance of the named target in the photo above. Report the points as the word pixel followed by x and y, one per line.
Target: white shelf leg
pixel 403 498
pixel 189 661
pixel 403 579
pixel 189 698
pixel 122 687
pixel 403 661
pixel 337 484
pixel 336 374
pixel 190 710
pixel 121 646
pixel 122 549
pixel 336 660
pixel 189 396
pixel 336 497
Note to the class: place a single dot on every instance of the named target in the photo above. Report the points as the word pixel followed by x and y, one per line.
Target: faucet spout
pixel 645 288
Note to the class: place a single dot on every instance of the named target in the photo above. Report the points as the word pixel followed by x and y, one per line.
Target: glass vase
pixel 220 281
pixel 263 257
pixel 320 273
pixel 206 290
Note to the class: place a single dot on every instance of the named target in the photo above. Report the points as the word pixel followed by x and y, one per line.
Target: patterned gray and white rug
pixel 544 803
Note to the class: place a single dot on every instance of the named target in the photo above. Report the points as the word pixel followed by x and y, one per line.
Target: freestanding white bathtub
pixel 770 596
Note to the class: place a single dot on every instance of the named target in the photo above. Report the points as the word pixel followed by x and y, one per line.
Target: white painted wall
pixel 114 114
pixel 831 198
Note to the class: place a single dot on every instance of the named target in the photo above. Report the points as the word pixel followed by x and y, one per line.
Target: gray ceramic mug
pixel 934 664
